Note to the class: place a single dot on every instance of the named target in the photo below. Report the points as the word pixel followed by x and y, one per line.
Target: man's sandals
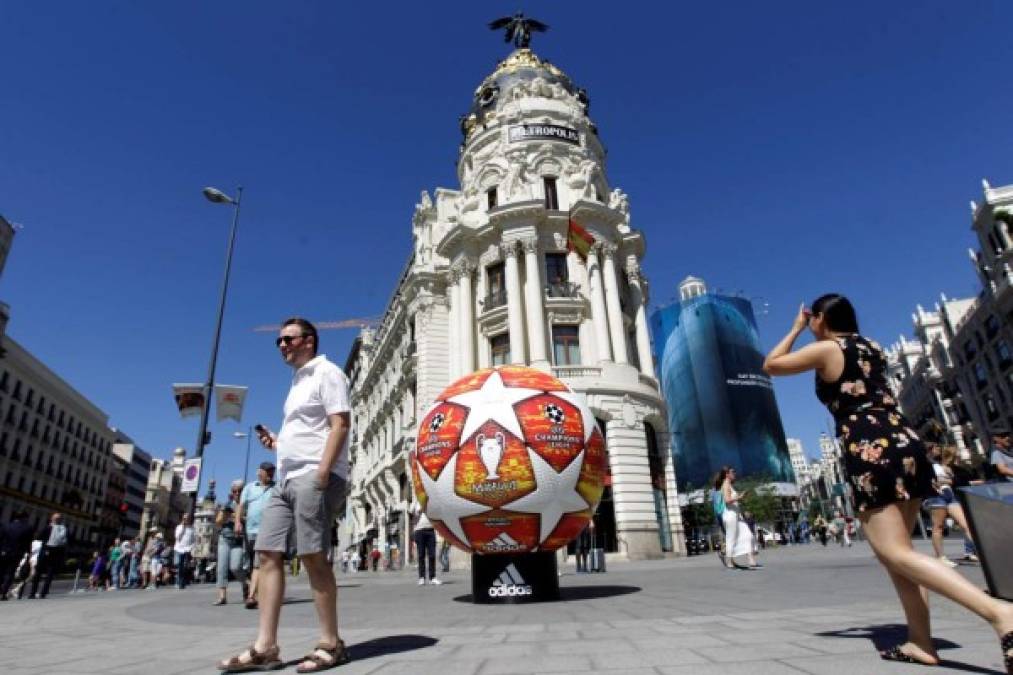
pixel 254 662
pixel 324 658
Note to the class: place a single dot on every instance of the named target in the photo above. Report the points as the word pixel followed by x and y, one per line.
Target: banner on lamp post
pixel 191 475
pixel 189 398
pixel 229 401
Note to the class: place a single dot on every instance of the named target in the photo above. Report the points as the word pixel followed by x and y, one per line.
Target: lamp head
pixel 217 196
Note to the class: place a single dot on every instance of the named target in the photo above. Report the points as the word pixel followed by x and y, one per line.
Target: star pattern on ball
pixel 436 422
pixel 450 507
pixel 496 402
pixel 554 495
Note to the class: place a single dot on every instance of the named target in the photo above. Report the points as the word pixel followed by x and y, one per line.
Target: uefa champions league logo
pixel 490 451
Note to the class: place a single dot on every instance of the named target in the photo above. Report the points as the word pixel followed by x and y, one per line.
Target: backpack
pixel 718 503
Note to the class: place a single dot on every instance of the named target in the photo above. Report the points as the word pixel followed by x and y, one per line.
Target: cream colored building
pixel 55 447
pixel 490 281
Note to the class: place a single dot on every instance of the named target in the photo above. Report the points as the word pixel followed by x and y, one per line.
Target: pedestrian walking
pixel 885 462
pixel 183 551
pixel 251 508
pixel 944 504
pixel 739 540
pixel 312 458
pixel 425 547
pixel 582 549
pixel 230 546
pixel 115 564
pixel 134 566
pixel 55 540
pixel 15 547
pixel 840 527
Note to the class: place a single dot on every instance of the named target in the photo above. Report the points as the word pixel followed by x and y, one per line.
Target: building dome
pixel 536 76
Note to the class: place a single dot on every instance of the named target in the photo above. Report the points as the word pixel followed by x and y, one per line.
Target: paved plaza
pixel 812 610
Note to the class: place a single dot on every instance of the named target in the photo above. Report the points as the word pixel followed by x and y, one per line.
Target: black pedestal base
pixel 511 578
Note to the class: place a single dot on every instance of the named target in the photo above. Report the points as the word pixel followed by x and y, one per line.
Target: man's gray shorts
pixel 301 506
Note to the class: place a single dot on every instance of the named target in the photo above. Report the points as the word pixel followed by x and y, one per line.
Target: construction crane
pixel 358 322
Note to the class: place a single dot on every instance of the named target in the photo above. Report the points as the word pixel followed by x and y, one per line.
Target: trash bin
pixel 989 510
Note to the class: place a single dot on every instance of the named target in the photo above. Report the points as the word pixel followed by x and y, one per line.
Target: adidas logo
pixel 504 543
pixel 509 583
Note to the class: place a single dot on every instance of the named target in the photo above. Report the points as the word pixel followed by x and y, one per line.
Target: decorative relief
pixel 508 249
pixel 530 245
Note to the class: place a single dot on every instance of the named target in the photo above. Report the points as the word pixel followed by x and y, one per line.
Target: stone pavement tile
pixel 752 652
pixel 517 628
pixel 760 616
pixel 508 652
pixel 481 638
pixel 523 663
pixel 615 671
pixel 855 664
pixel 771 668
pixel 740 625
pixel 589 647
pixel 712 618
pixel 832 645
pixel 678 641
pixel 548 636
pixel 448 667
pixel 607 633
pixel 682 629
pixel 753 637
pixel 646 658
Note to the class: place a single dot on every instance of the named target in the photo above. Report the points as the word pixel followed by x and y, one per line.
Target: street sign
pixel 191 475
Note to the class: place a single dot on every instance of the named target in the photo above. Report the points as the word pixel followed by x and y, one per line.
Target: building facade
pixel 490 281
pixel 55 448
pixel 799 462
pixel 721 404
pixel 164 502
pixel 955 380
pixel 6 239
pixel 135 464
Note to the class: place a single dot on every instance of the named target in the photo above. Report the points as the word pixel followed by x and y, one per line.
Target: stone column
pixel 482 290
pixel 578 274
pixel 598 311
pixel 534 303
pixel 453 327
pixel 515 306
pixel 467 318
pixel 615 312
pixel 637 284
pixel 632 493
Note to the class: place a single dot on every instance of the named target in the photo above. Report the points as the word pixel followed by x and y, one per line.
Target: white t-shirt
pixel 184 539
pixel 319 389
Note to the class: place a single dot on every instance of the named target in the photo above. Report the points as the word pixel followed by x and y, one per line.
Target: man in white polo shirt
pixel 312 474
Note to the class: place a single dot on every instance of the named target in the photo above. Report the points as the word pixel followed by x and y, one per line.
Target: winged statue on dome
pixel 518 29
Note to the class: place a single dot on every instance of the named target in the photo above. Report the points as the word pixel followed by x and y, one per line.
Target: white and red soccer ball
pixel 509 460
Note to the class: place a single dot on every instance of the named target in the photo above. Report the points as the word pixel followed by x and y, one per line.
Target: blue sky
pixel 784 150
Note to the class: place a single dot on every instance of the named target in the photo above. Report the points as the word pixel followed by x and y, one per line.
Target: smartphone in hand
pixel 265 436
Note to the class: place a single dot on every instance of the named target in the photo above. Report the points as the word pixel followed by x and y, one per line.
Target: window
pixel 556 271
pixel 565 345
pixel 492 197
pixel 970 350
pixel 500 349
pixel 1002 351
pixel 991 325
pixel 981 379
pixel 551 197
pixel 17 390
pixel 30 399
pixel 497 286
pixel 4 379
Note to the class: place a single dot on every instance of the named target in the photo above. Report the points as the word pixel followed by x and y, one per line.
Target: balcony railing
pixel 576 371
pixel 562 289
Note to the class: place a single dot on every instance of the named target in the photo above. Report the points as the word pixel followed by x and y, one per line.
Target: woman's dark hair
pixel 308 329
pixel 719 479
pixel 838 313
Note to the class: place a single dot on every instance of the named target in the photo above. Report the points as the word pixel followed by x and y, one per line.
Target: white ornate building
pixel 490 281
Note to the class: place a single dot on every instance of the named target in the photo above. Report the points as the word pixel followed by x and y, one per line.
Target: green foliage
pixel 761 502
pixel 815 509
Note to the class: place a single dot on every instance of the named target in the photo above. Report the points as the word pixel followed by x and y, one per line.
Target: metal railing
pixel 495 298
pixel 562 289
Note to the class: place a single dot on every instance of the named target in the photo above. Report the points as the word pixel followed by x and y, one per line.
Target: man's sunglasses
pixel 288 339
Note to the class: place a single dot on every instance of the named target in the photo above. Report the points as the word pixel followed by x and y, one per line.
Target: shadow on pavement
pixel 579 593
pixel 391 644
pixel 884 636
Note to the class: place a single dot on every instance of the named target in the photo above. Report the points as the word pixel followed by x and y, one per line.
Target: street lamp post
pixel 247 435
pixel 217 197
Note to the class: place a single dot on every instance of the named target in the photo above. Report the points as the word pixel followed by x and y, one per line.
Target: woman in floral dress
pixel 886 466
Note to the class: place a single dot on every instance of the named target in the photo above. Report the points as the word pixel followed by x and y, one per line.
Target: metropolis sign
pixel 552 132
